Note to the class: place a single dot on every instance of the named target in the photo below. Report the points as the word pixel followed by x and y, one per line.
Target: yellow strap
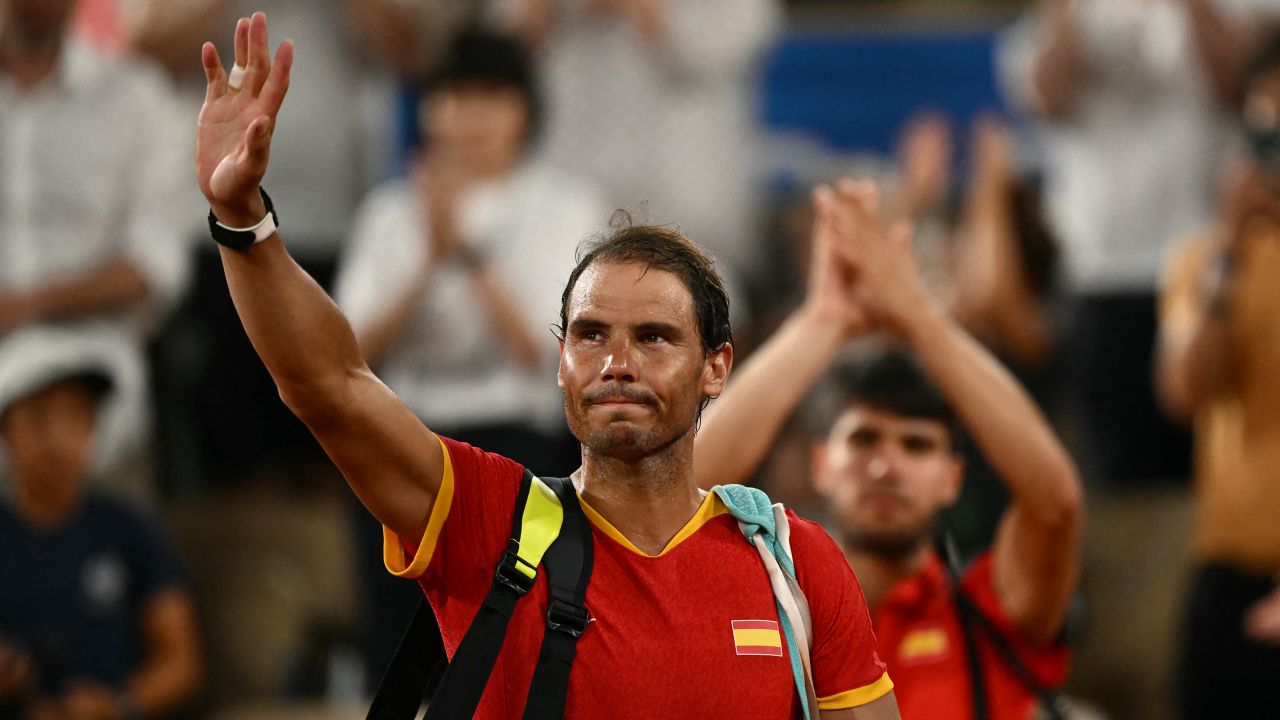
pixel 539 525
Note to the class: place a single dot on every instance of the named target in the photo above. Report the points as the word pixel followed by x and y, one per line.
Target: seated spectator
pixel 96 622
pixel 92 201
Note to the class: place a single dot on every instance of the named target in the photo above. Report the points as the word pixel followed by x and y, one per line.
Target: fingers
pixel 277 82
pixel 242 42
pixel 259 56
pixel 213 73
pixel 257 147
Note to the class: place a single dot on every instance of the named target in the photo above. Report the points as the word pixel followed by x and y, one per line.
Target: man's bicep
pixel 883 708
pixel 388 456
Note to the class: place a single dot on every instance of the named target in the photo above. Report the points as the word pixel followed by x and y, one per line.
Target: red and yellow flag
pixel 757 637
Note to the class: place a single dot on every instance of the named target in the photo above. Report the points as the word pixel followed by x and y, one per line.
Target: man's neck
pixel 44 513
pixel 29 61
pixel 648 500
pixel 878 572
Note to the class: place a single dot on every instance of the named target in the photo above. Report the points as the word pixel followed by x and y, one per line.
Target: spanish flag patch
pixel 757 637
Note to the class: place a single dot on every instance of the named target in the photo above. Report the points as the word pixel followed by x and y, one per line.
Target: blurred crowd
pixel 174 544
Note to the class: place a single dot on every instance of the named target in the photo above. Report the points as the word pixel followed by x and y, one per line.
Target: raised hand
pixel 233 134
pixel 886 284
pixel 832 293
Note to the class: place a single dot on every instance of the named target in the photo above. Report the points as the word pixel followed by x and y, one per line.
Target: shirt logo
pixel 923 645
pixel 757 637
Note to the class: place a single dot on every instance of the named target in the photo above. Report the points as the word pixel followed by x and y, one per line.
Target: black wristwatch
pixel 241 239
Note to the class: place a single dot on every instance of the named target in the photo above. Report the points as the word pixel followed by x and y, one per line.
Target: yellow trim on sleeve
pixel 393 555
pixel 711 507
pixel 858 696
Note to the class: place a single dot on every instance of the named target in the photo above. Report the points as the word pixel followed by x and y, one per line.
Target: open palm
pixel 233 134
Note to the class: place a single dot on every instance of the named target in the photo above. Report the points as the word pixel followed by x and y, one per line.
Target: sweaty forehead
pixel 629 293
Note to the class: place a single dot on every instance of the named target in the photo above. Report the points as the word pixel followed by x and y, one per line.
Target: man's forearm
pixel 1002 419
pixel 1192 366
pixel 171 671
pixel 741 426
pixel 300 334
pixel 110 287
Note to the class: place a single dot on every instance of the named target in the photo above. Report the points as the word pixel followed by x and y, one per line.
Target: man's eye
pixel 591 335
pixel 918 446
pixel 651 338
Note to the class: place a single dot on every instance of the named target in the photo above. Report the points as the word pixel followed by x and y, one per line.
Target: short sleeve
pixel 152 559
pixel 468 527
pixel 847 671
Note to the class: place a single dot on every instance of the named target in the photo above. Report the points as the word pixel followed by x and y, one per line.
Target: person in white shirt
pixel 91 200
pixel 1132 101
pixel 453 275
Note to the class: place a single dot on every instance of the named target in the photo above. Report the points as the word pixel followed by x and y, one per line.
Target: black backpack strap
pixel 414 671
pixel 972 618
pixel 468 673
pixel 568 563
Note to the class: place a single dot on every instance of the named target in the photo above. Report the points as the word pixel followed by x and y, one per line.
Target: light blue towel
pixel 754 513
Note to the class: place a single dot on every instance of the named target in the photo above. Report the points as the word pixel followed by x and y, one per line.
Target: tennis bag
pixel 548 528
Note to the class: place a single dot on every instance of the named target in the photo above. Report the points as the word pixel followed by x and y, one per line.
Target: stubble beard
pixel 894 544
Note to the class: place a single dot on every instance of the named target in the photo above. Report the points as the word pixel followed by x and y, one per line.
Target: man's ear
pixel 955 478
pixel 560 367
pixel 715 372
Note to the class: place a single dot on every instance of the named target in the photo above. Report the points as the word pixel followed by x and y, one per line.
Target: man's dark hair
pixel 891 380
pixel 662 248
pixel 483 57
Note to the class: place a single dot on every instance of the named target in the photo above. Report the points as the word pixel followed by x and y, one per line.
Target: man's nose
pixel 882 467
pixel 618 364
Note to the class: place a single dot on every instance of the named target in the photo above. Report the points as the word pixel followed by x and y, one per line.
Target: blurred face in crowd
pixel 632 365
pixel 886 478
pixel 37 22
pixel 49 437
pixel 484 126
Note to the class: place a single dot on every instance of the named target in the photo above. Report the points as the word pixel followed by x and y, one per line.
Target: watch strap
pixel 241 239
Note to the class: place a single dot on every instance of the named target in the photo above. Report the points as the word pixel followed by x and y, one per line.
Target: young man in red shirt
pixel 684 620
pixel 890 465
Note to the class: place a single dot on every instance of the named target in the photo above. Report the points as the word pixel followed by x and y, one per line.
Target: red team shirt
pixel 688 633
pixel 918 627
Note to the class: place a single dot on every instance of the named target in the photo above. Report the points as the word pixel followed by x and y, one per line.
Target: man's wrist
pixel 241 214
pixel 923 320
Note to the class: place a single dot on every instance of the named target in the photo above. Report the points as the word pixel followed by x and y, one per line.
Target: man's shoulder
pixel 812 546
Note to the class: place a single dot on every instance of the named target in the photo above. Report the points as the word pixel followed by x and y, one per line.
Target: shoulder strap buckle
pixel 567 617
pixel 509 573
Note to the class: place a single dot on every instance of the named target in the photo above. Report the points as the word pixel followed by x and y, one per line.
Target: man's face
pixel 481 125
pixel 632 365
pixel 37 20
pixel 887 477
pixel 49 438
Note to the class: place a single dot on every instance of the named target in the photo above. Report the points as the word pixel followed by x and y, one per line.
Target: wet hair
pixel 662 248
pixel 892 380
pixel 483 57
